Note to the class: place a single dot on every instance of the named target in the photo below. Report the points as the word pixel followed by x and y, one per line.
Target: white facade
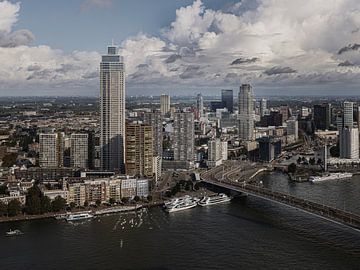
pixel 263 107
pixel 142 188
pixel 348 117
pixel 217 152
pixel 157 162
pixel 164 104
pixel 246 113
pixel 349 143
pixel 112 110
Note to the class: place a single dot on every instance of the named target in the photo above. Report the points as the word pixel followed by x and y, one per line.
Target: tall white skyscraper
pixel 200 105
pixel 349 143
pixel 112 110
pixel 79 153
pixel 184 136
pixel 263 106
pixel 164 104
pixel 246 112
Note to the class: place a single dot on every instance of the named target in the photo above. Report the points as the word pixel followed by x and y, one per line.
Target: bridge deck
pixel 324 211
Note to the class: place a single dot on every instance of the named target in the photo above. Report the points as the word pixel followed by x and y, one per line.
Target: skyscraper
pixel 246 112
pixel 322 116
pixel 164 104
pixel 139 150
pixel 112 110
pixel 348 118
pixel 184 136
pixel 51 149
pixel 263 107
pixel 200 105
pixel 349 143
pixel 227 98
pixel 155 119
pixel 79 154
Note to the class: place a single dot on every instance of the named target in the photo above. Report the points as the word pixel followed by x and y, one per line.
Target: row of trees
pixel 36 203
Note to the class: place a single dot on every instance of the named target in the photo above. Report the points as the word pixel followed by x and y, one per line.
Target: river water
pixel 244 234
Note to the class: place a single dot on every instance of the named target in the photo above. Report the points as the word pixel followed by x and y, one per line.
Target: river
pixel 244 234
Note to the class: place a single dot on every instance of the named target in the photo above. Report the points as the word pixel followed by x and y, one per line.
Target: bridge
pixel 320 210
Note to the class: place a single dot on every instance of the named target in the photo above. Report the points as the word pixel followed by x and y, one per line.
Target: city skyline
pixel 189 46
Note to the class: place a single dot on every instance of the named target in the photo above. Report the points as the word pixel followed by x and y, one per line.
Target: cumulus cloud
pixel 265 42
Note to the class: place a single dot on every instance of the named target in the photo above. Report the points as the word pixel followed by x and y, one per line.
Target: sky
pixel 181 47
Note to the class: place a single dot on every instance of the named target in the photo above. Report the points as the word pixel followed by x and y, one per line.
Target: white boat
pixel 14 233
pixel 331 176
pixel 215 199
pixel 177 201
pixel 182 206
pixel 79 216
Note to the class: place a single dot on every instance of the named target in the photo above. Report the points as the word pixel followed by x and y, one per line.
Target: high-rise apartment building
pixel 164 104
pixel 348 116
pixel 139 150
pixel 155 120
pixel 200 105
pixel 184 136
pixel 322 116
pixel 349 143
pixel 217 152
pixel 292 127
pixel 263 107
pixel 51 149
pixel 227 98
pixel 79 150
pixel 285 112
pixel 246 112
pixel 112 110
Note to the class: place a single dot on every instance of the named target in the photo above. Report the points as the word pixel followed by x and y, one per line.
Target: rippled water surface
pixel 244 234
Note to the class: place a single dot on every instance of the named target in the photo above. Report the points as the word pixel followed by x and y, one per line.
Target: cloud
pixel 279 70
pixel 89 4
pixel 241 60
pixel 350 47
pixel 172 58
pixel 346 64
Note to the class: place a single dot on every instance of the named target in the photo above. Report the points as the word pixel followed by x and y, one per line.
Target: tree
pixel 72 205
pixel 319 161
pixel 33 200
pixel 98 202
pixel 125 200
pixel 58 204
pixel 292 168
pixel 136 198
pixel 149 198
pixel 312 161
pixel 86 203
pixel 3 189
pixel 3 209
pixel 112 201
pixel 9 160
pixel 14 208
pixel 299 160
pixel 45 204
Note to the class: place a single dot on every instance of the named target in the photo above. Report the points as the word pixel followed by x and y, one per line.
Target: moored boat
pixel 214 199
pixel 14 233
pixel 331 176
pixel 79 216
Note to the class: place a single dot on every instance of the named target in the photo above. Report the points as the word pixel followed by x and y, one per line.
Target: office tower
pixel 112 110
pixel 358 117
pixel 155 120
pixel 214 105
pixel 246 112
pixel 322 116
pixel 227 98
pixel 139 150
pixel 284 110
pixel 184 136
pixel 349 143
pixel 51 149
pixel 348 116
pixel 269 148
pixel 292 127
pixel 263 107
pixel 79 154
pixel 164 104
pixel 200 105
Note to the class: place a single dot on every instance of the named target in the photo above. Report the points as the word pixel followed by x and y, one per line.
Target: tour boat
pixel 187 204
pixel 175 201
pixel 331 176
pixel 79 216
pixel 215 199
pixel 14 233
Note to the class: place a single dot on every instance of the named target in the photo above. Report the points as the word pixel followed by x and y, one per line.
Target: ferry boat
pixel 187 204
pixel 331 176
pixel 14 233
pixel 175 201
pixel 79 216
pixel 215 199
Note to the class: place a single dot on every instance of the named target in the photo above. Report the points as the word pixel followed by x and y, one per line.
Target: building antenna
pixel 112 42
